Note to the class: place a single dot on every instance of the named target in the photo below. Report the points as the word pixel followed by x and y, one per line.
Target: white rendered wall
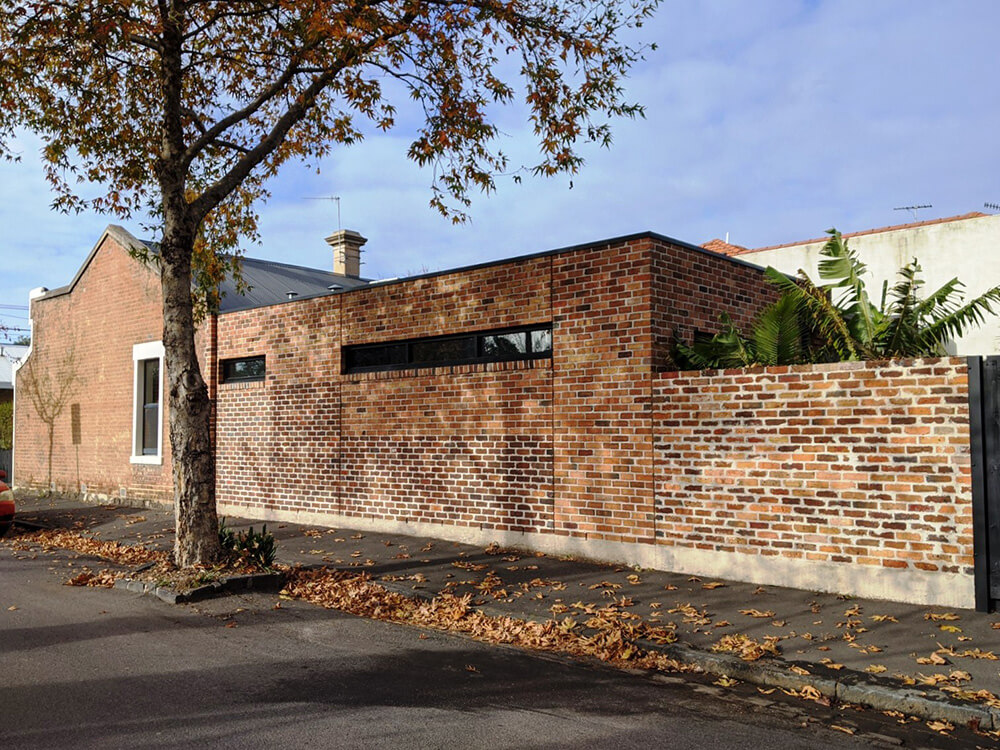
pixel 966 248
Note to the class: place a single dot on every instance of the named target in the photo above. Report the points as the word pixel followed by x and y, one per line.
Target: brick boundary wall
pixel 850 477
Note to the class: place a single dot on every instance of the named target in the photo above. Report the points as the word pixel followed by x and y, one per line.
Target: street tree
pixel 181 110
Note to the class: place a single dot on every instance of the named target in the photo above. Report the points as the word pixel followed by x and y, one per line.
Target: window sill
pixel 148 460
pixel 240 384
pixel 541 363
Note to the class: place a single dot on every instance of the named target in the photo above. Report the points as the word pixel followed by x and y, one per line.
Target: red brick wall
pixel 564 445
pixel 277 441
pixel 708 285
pixel 855 463
pixel 89 333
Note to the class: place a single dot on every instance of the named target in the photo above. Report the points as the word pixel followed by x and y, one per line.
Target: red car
pixel 6 504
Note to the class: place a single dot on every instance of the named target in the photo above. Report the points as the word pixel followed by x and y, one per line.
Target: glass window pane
pixel 376 356
pixel 541 341
pixel 150 381
pixel 446 350
pixel 505 344
pixel 150 406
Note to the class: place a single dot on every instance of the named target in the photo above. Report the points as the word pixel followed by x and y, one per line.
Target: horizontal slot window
pixel 532 342
pixel 243 370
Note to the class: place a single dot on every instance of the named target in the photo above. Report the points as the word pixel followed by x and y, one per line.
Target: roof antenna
pixel 328 198
pixel 914 209
pixel 992 206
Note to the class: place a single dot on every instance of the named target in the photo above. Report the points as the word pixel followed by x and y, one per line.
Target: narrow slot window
pixel 528 342
pixel 243 370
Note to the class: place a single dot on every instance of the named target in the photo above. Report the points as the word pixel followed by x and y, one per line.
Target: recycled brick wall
pixel 277 442
pixel 86 337
pixel 708 287
pixel 602 353
pixel 467 446
pixel 562 445
pixel 855 463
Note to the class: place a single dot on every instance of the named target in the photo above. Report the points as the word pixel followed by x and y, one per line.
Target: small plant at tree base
pixel 250 546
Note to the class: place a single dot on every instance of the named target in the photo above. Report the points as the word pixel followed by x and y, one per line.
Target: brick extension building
pixel 525 401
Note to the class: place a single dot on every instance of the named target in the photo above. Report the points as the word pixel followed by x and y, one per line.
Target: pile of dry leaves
pixel 604 636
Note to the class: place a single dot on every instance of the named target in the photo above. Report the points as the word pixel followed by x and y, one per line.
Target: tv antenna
pixel 992 206
pixel 914 209
pixel 328 198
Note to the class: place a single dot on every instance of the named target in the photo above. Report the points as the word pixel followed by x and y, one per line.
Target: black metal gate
pixel 984 442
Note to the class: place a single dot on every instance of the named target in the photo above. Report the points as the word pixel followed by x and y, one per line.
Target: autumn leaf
pixel 934 658
pixel 713 585
pixel 950 628
pixel 884 618
pixel 725 681
pixel 845 730
pixel 941 726
pixel 799 670
pixel 938 617
pixel 757 613
pixel 875 668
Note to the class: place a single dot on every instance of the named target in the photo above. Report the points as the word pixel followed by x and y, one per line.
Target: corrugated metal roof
pixel 269 282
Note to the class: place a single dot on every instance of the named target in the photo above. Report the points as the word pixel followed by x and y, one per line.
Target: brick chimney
pixel 346 244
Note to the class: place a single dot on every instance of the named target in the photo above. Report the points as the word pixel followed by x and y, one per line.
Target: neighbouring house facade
pixel 963 246
pixel 530 401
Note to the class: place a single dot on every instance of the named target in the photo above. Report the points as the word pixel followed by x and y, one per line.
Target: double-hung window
pixel 147 421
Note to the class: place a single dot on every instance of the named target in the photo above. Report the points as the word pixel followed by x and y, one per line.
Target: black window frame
pixel 226 366
pixel 406 362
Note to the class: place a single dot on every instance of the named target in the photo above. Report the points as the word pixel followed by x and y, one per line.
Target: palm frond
pixel 955 323
pixel 726 349
pixel 825 317
pixel 779 333
pixel 844 270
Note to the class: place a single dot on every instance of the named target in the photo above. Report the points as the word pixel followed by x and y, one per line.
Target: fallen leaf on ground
pixel 939 616
pixel 875 668
pixel 884 618
pixel 713 585
pixel 757 613
pixel 845 730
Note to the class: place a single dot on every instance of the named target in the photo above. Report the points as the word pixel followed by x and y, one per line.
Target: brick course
pixel 854 463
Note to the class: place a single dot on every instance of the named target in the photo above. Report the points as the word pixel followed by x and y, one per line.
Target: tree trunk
pixel 190 410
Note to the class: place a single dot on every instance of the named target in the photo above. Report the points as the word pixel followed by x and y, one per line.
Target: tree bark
pixel 190 411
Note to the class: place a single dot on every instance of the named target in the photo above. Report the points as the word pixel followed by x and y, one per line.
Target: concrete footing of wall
pixel 911 586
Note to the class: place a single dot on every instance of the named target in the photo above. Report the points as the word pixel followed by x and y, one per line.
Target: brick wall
pixel 86 337
pixel 562 445
pixel 709 288
pixel 864 466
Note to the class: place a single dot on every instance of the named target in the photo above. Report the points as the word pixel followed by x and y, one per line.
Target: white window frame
pixel 141 353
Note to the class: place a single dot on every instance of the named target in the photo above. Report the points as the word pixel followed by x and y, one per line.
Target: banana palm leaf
pixel 844 270
pixel 955 323
pixel 826 318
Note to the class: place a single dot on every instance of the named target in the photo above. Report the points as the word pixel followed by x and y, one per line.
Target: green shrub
pixel 6 426
pixel 251 546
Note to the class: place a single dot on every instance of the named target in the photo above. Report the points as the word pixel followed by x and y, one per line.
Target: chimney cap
pixel 346 236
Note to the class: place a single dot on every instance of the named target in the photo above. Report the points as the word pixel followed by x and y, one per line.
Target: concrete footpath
pixel 924 661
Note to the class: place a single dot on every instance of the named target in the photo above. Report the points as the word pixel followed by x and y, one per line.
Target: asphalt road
pixel 86 668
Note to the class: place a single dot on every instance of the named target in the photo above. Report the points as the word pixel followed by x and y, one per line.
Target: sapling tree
pixel 181 110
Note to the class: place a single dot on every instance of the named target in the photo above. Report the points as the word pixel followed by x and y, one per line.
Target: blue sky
pixel 771 120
